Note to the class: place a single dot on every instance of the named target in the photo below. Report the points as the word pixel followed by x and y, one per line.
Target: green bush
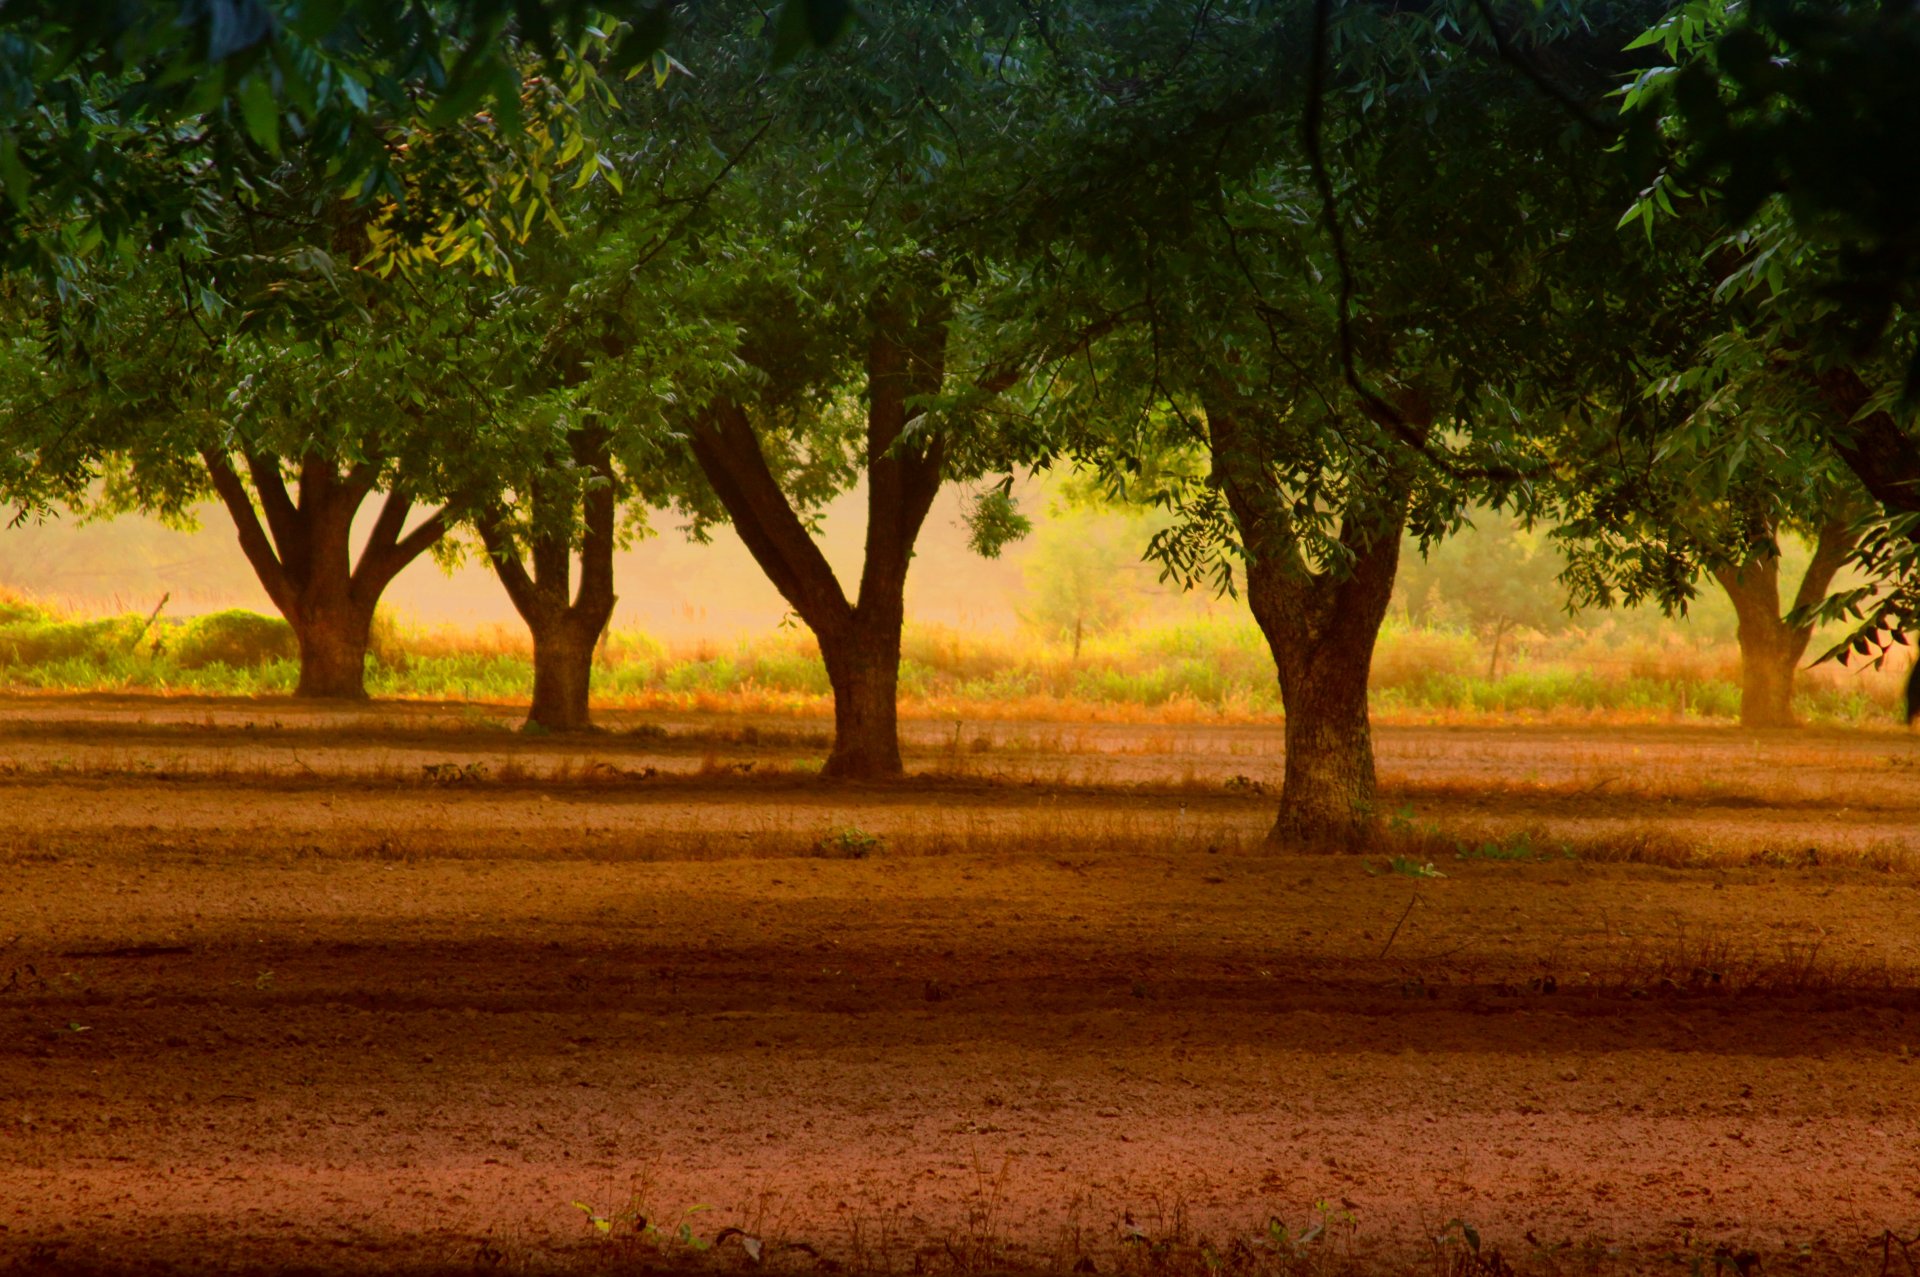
pixel 48 642
pixel 14 610
pixel 237 639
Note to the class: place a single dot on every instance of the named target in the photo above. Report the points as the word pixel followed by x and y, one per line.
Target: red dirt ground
pixel 271 999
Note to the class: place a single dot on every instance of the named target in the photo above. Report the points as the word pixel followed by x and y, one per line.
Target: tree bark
pixel 864 668
pixel 301 549
pixel 566 624
pixel 1321 626
pixel 859 639
pixel 1882 455
pixel 1771 647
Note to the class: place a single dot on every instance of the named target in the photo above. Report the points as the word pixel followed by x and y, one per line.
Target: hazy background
pixel 667 585
pixel 1076 565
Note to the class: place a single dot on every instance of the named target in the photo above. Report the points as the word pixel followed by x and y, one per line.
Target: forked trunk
pixel 864 668
pixel 301 550
pixel 566 625
pixel 1321 631
pixel 1770 646
pixel 859 638
pixel 1321 625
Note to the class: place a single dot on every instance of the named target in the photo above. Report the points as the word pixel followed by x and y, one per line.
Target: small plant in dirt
pixel 850 843
pixel 631 1224
pixel 1457 1253
pixel 1405 867
pixel 451 775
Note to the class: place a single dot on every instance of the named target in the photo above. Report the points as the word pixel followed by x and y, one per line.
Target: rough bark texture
pixel 1321 627
pixel 1770 647
pixel 859 639
pixel 566 624
pixel 303 555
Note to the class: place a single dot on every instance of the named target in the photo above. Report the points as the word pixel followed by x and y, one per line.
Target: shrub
pixel 15 609
pixel 49 642
pixel 237 639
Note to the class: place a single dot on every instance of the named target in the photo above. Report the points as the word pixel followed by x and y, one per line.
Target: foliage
pixel 1086 574
pixel 1503 574
pixel 236 638
pixel 125 124
pixel 1794 122
pixel 1199 668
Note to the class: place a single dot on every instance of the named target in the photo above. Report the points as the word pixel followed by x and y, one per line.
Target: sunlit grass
pixel 1198 668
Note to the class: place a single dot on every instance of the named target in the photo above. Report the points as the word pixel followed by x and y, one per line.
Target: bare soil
pixel 275 996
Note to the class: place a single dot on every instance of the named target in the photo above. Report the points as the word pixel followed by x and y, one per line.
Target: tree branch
pixel 253 538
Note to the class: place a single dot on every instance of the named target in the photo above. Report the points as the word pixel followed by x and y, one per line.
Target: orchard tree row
pixel 1313 277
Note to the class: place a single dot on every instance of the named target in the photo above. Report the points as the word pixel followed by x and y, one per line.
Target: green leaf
pixel 261 112
pixel 13 174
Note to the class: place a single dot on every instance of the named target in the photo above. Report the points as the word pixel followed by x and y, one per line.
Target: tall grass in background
pixel 1195 667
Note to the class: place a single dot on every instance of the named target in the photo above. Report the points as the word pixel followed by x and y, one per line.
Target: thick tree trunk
pixel 1322 631
pixel 562 676
pixel 1321 626
pixel 863 665
pixel 302 552
pixel 1768 651
pixel 333 652
pixel 565 629
pixel 1770 646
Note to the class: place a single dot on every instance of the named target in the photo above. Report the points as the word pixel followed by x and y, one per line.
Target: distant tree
pixel 1794 123
pixel 1086 572
pixel 1497 578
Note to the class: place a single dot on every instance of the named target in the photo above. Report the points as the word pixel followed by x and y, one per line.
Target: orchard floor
pixel 394 989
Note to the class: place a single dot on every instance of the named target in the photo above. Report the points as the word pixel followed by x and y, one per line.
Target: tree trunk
pixel 1768 653
pixel 859 639
pixel 1322 632
pixel 333 652
pixel 1770 646
pixel 301 549
pixel 1321 626
pixel 863 665
pixel 562 676
pixel 565 629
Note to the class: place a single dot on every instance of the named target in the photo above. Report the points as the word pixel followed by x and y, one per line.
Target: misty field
pixel 394 989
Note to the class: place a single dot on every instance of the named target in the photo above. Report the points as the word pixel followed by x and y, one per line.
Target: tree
pixel 568 443
pixel 833 235
pixel 1795 123
pixel 268 374
pixel 1087 573
pixel 1352 239
pixel 1500 578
